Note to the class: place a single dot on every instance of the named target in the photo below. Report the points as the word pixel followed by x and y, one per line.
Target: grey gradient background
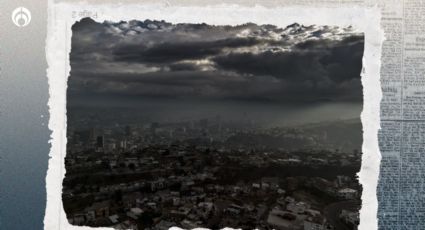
pixel 24 117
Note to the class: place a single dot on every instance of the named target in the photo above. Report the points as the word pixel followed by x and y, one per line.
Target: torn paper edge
pixel 61 18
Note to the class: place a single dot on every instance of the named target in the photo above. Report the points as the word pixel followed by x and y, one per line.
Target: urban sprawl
pixel 212 174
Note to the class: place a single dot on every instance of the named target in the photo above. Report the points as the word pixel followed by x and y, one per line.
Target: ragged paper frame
pixel 61 18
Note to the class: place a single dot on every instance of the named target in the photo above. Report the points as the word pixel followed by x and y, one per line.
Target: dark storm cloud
pixel 322 66
pixel 340 60
pixel 183 66
pixel 245 62
pixel 169 52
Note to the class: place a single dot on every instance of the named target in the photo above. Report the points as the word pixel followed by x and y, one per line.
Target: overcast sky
pixel 152 60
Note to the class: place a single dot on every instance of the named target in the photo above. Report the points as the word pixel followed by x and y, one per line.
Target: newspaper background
pixel 401 183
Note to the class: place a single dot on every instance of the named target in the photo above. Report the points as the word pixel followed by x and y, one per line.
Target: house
pixel 114 219
pixel 349 217
pixel 314 223
pixel 158 184
pixel 187 224
pixel 280 219
pixel 130 199
pixel 164 225
pixel 99 209
pixel 270 183
pixel 299 207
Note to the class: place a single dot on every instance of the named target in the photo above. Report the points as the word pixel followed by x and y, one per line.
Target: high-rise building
pixel 100 142
pixel 127 130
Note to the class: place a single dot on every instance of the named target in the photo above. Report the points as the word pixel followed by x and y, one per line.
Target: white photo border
pixel 63 15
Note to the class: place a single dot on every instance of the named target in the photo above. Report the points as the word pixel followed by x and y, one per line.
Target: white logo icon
pixel 21 17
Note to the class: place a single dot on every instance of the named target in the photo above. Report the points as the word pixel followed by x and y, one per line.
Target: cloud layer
pixel 247 62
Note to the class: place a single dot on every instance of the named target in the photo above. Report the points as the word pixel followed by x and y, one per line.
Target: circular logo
pixel 21 16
